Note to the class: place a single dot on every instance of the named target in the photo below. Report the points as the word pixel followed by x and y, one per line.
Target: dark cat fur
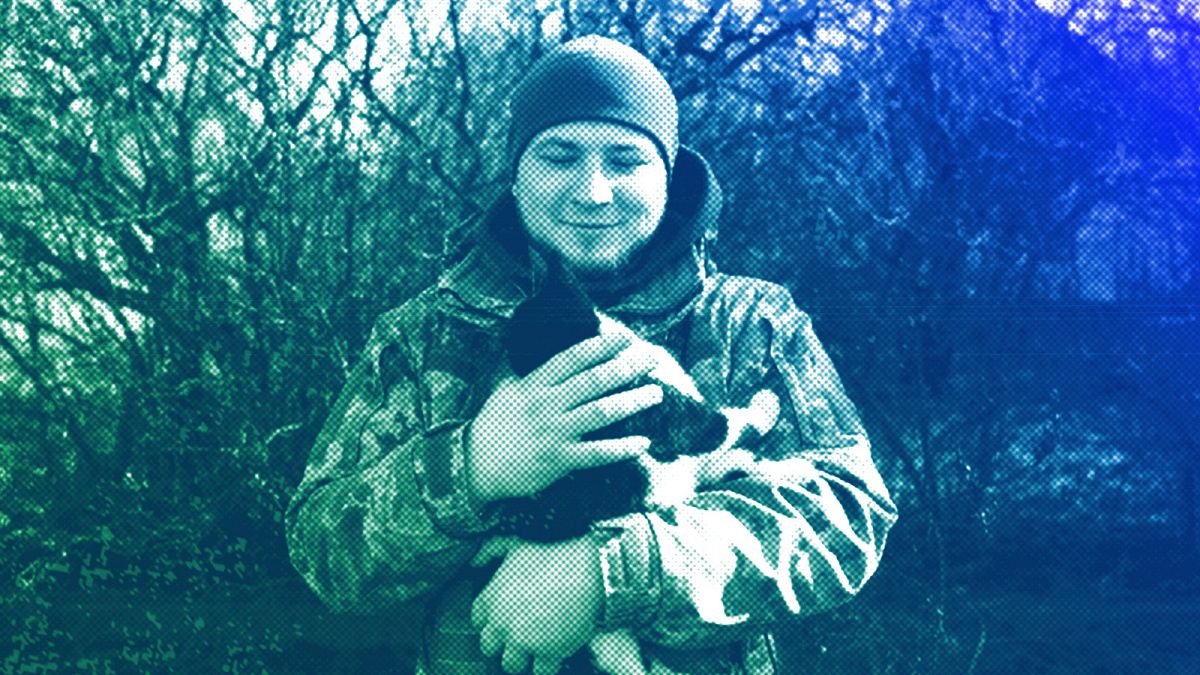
pixel 558 316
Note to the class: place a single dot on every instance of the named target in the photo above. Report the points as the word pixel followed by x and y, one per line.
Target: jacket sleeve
pixel 383 514
pixel 800 532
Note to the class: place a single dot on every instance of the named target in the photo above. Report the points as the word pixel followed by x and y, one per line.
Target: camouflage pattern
pixel 384 514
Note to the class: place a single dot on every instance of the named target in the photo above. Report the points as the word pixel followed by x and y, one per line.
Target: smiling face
pixel 593 192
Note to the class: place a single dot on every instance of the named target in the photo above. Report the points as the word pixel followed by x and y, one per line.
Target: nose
pixel 594 187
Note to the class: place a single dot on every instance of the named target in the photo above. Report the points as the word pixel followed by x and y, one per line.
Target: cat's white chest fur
pixel 672 484
pixel 675 482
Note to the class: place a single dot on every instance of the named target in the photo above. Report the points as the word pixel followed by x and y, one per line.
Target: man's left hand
pixel 541 604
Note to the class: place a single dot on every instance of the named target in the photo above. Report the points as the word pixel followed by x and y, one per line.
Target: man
pixel 433 432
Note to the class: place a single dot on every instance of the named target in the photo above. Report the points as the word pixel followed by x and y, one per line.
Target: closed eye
pixel 621 163
pixel 559 160
pixel 625 164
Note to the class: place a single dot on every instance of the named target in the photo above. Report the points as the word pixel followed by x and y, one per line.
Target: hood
pixel 490 265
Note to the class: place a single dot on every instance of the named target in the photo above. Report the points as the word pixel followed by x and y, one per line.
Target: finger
pixel 491 639
pixel 496 547
pixel 588 454
pixel 516 659
pixel 580 357
pixel 618 372
pixel 486 555
pixel 546 665
pixel 479 612
pixel 602 412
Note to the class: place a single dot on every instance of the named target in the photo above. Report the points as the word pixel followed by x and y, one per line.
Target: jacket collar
pixel 494 268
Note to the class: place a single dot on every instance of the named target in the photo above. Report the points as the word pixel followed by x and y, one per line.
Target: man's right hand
pixel 528 434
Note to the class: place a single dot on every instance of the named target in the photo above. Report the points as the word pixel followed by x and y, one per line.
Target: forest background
pixel 989 207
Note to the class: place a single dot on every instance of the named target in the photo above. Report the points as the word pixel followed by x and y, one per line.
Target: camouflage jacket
pixel 384 514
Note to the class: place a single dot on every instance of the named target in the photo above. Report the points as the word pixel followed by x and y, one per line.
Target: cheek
pixel 644 225
pixel 537 187
pixel 648 202
pixel 535 206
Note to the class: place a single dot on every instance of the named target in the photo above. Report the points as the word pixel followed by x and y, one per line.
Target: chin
pixel 593 268
pixel 596 272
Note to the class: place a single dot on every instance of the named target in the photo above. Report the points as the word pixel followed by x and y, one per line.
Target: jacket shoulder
pixel 738 284
pixel 746 297
pixel 410 314
pixel 397 332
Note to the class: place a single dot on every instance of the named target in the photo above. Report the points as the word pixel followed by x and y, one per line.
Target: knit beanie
pixel 594 78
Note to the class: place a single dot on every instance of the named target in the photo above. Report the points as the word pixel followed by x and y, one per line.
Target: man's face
pixel 594 192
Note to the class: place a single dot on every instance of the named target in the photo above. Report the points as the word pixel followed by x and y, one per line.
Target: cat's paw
pixel 754 421
pixel 763 411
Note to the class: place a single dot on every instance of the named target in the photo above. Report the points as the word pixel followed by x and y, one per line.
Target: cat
pixel 693 443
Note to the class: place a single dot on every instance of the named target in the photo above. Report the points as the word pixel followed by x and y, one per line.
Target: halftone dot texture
pixel 594 78
pixel 988 207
